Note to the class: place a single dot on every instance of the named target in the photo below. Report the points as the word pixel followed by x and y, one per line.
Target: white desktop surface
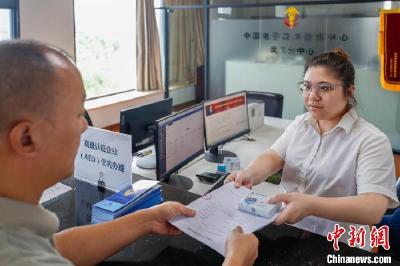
pixel 244 149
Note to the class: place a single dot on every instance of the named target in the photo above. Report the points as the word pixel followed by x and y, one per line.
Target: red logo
pixel 378 237
pixel 357 236
pixel 335 235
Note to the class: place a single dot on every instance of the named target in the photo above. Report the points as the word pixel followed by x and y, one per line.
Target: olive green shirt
pixel 26 231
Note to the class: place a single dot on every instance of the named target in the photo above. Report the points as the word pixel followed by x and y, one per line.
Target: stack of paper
pixel 217 214
pixel 140 195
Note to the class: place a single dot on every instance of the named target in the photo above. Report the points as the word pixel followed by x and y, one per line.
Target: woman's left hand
pixel 298 206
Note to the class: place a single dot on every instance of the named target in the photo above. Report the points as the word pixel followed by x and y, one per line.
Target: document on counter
pixel 217 214
pixel 53 192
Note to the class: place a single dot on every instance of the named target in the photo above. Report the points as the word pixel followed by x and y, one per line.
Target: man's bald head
pixel 29 73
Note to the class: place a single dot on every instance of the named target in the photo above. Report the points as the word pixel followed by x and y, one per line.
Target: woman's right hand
pixel 241 178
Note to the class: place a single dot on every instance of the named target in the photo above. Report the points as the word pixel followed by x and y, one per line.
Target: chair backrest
pixel 273 102
pixel 89 121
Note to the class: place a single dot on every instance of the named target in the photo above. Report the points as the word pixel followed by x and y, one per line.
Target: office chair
pixel 89 121
pixel 273 102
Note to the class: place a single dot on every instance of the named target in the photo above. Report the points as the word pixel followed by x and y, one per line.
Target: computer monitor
pixel 180 139
pixel 225 119
pixel 139 122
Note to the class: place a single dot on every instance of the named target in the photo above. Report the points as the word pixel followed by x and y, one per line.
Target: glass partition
pixel 258 48
pixel 255 45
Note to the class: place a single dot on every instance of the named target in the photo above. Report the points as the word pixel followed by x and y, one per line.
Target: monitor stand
pixel 217 156
pixel 179 181
pixel 147 162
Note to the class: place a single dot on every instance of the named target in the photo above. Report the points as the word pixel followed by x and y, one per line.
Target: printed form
pixel 217 214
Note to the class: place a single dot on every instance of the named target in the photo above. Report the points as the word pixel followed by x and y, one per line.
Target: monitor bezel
pixel 230 138
pixel 167 174
pixel 168 101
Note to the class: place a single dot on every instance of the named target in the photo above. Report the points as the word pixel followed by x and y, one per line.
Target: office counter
pixel 279 245
pixel 246 150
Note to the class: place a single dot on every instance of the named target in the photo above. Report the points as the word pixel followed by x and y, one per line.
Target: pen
pixel 144 153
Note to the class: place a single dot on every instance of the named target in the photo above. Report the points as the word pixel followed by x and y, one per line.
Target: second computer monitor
pixel 139 122
pixel 180 139
pixel 225 119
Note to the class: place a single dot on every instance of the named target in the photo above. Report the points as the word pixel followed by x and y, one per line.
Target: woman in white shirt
pixel 337 167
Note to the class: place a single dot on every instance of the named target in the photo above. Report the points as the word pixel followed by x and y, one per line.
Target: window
pixel 8 19
pixel 105 36
pixel 5 24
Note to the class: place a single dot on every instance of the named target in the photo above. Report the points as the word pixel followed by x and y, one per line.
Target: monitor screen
pixel 180 139
pixel 139 122
pixel 225 118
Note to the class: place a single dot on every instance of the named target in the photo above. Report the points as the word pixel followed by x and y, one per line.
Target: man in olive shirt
pixel 41 120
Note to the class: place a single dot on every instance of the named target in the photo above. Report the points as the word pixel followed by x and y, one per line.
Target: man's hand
pixel 241 249
pixel 240 178
pixel 298 206
pixel 161 214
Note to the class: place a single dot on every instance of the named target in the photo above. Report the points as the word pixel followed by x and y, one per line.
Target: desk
pixel 245 150
pixel 279 245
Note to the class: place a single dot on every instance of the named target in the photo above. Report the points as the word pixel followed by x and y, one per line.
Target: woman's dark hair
pixel 338 62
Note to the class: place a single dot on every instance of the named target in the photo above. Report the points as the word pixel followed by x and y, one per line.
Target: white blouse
pixel 352 158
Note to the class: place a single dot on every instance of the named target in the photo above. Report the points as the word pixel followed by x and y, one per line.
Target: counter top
pixel 279 245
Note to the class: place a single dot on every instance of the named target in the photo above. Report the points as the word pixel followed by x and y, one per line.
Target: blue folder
pixel 140 195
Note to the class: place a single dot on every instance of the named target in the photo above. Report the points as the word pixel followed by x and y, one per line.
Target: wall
pixel 109 114
pixel 258 76
pixel 304 10
pixel 49 21
pixel 378 106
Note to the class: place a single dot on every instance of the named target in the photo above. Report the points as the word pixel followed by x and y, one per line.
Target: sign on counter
pixel 104 158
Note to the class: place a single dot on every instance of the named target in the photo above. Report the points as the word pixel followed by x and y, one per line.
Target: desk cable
pixel 245 137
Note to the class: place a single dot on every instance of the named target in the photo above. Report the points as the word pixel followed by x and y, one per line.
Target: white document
pixel 53 192
pixel 217 214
